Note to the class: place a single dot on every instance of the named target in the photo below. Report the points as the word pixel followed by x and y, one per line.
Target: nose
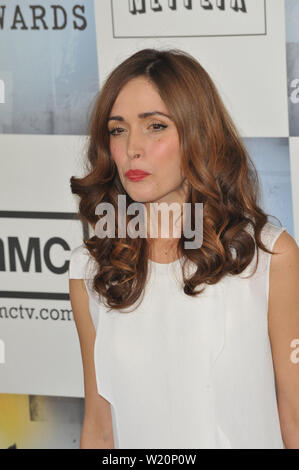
pixel 135 147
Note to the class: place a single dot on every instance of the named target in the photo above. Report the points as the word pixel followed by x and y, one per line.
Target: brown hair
pixel 219 171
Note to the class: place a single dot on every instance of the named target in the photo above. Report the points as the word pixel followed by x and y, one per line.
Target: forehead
pixel 138 94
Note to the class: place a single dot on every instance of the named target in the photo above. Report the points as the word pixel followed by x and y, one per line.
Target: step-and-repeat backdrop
pixel 53 60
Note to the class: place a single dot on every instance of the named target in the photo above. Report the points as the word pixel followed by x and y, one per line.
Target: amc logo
pixel 32 256
pixel 28 249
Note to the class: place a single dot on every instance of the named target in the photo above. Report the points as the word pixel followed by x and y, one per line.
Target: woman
pixel 166 365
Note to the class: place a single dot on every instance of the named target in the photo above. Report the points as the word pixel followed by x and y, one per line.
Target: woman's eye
pixel 112 131
pixel 118 130
pixel 158 124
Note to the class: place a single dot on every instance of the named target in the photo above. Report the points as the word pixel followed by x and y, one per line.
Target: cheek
pixel 167 153
pixel 117 153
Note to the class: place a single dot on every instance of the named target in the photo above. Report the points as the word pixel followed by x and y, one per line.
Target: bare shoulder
pixel 287 257
pixel 284 270
pixel 285 241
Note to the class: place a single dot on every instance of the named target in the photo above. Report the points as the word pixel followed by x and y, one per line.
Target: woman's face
pixel 153 138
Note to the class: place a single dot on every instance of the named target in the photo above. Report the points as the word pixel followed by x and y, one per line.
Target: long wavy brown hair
pixel 218 169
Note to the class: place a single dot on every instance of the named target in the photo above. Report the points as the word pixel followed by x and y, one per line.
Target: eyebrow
pixel 141 115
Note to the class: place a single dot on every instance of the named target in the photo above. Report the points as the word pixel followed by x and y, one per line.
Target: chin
pixel 140 196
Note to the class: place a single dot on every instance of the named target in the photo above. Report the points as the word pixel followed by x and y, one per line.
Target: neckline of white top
pixel 165 266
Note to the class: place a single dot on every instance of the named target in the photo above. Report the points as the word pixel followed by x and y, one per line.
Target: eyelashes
pixel 112 131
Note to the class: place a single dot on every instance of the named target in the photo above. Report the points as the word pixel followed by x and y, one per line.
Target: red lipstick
pixel 136 175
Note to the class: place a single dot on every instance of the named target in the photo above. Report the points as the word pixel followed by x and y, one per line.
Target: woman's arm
pixel 97 432
pixel 283 323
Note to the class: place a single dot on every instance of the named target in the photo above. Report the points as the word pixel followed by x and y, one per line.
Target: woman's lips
pixel 136 175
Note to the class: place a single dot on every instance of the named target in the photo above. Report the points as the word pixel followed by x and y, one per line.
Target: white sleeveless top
pixel 182 372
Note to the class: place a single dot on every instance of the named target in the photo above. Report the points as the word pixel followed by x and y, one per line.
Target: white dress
pixel 190 373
